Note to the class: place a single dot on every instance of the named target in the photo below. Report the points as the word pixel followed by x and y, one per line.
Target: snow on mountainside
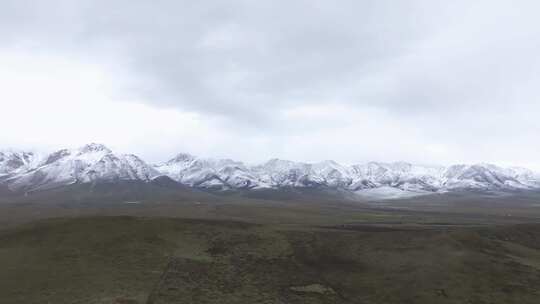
pixel 481 176
pixel 12 161
pixel 276 173
pixel 208 173
pixel 26 171
pixel 399 175
pixel 284 173
pixel 526 176
pixel 90 163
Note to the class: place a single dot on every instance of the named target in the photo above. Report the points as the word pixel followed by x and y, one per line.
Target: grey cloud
pixel 277 53
pixel 447 68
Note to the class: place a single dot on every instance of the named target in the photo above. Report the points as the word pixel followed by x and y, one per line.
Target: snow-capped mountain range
pixel 27 171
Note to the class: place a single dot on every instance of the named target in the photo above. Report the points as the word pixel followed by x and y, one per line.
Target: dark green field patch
pixel 156 260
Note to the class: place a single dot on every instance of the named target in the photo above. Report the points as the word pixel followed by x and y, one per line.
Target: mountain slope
pixel 93 163
pixel 90 163
pixel 12 161
pixel 209 173
pixel 277 173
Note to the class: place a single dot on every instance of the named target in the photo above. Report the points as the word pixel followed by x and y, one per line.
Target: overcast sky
pixel 432 82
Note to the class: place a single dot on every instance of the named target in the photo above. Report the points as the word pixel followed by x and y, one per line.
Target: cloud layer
pixel 421 81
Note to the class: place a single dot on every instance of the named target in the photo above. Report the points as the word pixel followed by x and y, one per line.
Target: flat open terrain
pixel 265 251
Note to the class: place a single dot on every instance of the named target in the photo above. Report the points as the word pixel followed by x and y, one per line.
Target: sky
pixel 431 82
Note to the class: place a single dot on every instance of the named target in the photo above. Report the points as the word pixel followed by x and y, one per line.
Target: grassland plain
pixel 146 244
pixel 127 259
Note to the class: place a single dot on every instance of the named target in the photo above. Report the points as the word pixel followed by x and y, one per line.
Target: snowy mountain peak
pixel 90 163
pixel 13 160
pixel 95 162
pixel 182 157
pixel 281 164
pixel 403 176
pixel 93 147
pixel 328 162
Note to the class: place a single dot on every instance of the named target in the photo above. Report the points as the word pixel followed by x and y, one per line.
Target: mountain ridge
pixel 27 171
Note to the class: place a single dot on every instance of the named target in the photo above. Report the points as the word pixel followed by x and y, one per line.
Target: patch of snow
pixel 387 192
